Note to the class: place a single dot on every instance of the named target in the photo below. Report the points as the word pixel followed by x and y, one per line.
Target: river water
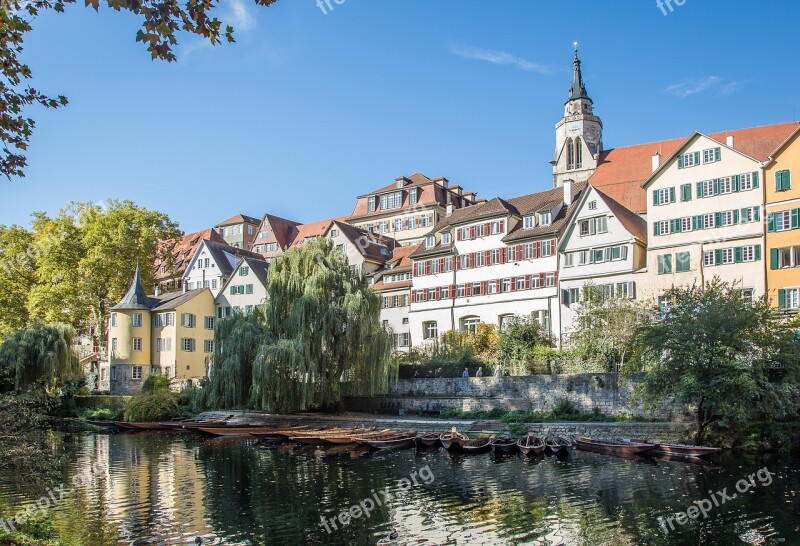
pixel 171 488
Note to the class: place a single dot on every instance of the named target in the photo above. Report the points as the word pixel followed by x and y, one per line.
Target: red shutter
pixel 427 267
pixel 552 247
pixel 471 232
pixel 458 234
pixel 527 282
pixel 472 260
pixel 452 291
pixel 503 254
pixel 513 284
pixel 535 253
pixel 441 265
pixel 555 277
pixel 520 253
pixel 502 226
pixel 456 262
pixel 487 228
pixel 541 280
pixel 468 290
pixel 484 288
pixel 487 255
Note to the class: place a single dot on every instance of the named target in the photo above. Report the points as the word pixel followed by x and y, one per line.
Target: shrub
pixel 564 408
pixel 155 382
pixel 160 405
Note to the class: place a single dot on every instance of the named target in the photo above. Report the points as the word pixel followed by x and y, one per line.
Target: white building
pixel 393 283
pixel 704 217
pixel 605 245
pixel 212 265
pixel 246 288
pixel 490 262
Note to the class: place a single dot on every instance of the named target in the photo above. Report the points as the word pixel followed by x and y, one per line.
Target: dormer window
pixel 392 200
pixel 412 195
pixel 430 241
pixel 545 218
pixel 529 221
pixel 371 204
pixel 446 238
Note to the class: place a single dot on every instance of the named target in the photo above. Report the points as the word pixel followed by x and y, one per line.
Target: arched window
pixel 578 153
pixel 570 155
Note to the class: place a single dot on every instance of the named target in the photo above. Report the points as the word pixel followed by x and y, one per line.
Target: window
pixel 783 180
pixel 682 262
pixel 464 261
pixel 448 264
pixel 593 226
pixel 495 227
pixel 570 155
pixel 494 256
pixel 187 344
pixel 476 289
pixel 789 298
pixel 136 373
pixel 626 290
pixel 244 271
pixel 708 221
pixel 214 284
pixel 137 344
pixel 527 251
pixel 434 267
pixel 264 234
pixel 750 214
pixel 550 280
pixel 571 296
pixel 686 224
pixel 431 294
pixel 545 218
pixel 727 255
pixel 371 203
pixel 592 205
pixel 136 320
pixel 705 188
pixel 725 185
pixel 114 344
pixel 689 159
pixel 209 323
pixel 398 224
pixel 711 155
pixel 598 256
pixel 746 182
pixel 403 340
pixel 578 153
pixel 520 283
pixel 208 346
pixel 271 247
pixel 748 253
pixel 249 230
pixel 446 238
pixel 662 227
pixel 113 320
pixel 461 291
pixel 412 195
pixel 404 303
pixel 542 318
pixel 528 221
pixel 783 220
pixel 665 264
pixel 505 285
pixel 709 258
pixel 444 293
pixel 726 218
pixel 492 287
pixel 783 258
pixel 334 233
pixel 430 330
pixel 412 222
pixel 187 320
pixel 163 344
pixel 569 259
pixel 664 196
pixel 248 289
pixel 391 200
pixel 430 241
pixel 470 324
pixel 619 253
pixel 479 259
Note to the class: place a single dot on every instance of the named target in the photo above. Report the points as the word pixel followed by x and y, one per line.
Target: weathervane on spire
pixel 575 45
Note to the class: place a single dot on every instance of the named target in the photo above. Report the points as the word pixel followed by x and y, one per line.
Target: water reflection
pixel 164 488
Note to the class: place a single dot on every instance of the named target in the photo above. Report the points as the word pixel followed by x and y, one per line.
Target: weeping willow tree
pixel 321 331
pixel 39 353
pixel 230 377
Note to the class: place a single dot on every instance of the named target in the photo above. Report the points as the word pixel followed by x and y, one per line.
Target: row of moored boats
pixel 452 440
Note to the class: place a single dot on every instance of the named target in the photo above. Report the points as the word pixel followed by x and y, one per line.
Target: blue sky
pixel 306 111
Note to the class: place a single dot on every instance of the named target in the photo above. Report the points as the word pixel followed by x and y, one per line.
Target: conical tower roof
pixel 577 90
pixel 136 298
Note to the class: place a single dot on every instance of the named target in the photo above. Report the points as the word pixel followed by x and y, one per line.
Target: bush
pixel 155 382
pixel 160 405
pixel 564 408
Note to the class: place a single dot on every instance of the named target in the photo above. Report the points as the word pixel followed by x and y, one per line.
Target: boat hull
pixel 614 449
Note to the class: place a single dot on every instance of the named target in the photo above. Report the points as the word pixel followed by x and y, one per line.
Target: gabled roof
pixel 284 230
pixel 258 267
pixel 372 246
pixel 239 219
pixel 489 209
pixel 172 300
pixel 219 253
pixel 313 229
pixel 544 200
pixel 136 297
pixel 783 145
pixel 621 171
pixel 443 224
pixel 632 222
pixel 184 251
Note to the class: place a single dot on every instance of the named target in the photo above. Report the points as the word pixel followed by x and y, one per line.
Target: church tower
pixel 579 134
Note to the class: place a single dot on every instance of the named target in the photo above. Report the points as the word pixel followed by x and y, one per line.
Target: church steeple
pixel 578 89
pixel 579 134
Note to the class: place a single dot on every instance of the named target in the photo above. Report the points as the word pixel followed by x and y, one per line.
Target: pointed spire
pixel 136 298
pixel 578 89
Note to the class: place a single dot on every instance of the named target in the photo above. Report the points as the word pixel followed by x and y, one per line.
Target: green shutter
pixel 700 190
pixel 782 298
pixel 686 192
pixel 697 158
pixel 778 180
pixel 672 195
pixel 735 182
pixel 680 161
pixel 656 230
pixel 736 216
pixel 233 290
pixel 716 186
pixel 755 179
pixel 655 197
pixel 675 226
pixel 757 214
pixel 795 218
pixel 716 154
pixel 697 222
pixel 773 258
pixel 737 255
pixel 718 256
pixel 758 253
pixel 787 180
pixel 771 222
pixel 717 219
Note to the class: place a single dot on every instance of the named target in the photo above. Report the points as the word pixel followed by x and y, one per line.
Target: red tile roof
pixel 622 171
pixel 182 253
pixel 239 219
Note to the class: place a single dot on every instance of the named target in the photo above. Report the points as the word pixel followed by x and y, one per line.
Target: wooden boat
pixel 124 425
pixel 429 439
pixel 111 425
pixel 453 439
pixel 531 445
pixel 191 425
pixel 397 441
pixel 613 447
pixel 320 438
pixel 480 445
pixel 350 439
pixel 504 444
pixel 245 431
pixel 557 445
pixel 679 450
pixel 148 426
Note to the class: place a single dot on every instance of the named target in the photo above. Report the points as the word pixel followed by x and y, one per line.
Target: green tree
pixel 322 329
pixel 40 354
pixel 162 21
pixel 17 276
pixel 230 378
pixel 519 342
pixel 605 327
pixel 729 359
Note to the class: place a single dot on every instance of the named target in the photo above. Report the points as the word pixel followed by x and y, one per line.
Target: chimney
pixel 729 141
pixel 158 290
pixel 656 161
pixel 567 192
pixel 449 210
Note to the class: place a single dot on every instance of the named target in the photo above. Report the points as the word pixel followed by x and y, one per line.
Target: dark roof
pixel 535 202
pixel 136 298
pixel 171 300
pixel 635 224
pixel 239 219
pixel 577 90
pixel 259 267
pixel 443 224
pixel 218 251
pixel 377 248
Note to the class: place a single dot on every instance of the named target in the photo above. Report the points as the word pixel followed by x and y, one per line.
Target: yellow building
pixel 782 187
pixel 170 334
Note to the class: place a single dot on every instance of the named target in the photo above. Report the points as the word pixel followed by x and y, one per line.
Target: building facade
pixel 246 288
pixel 274 235
pixel 212 266
pixel 393 283
pixel 239 231
pixel 782 210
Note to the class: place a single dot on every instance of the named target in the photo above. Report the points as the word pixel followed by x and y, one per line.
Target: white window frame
pixel 430 330
pixel 745 181
pixel 528 221
pixel 708 221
